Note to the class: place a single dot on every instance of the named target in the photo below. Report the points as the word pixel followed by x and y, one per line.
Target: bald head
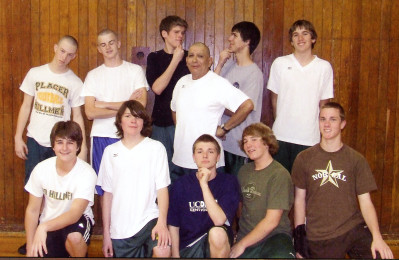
pixel 70 39
pixel 198 60
pixel 107 31
pixel 201 45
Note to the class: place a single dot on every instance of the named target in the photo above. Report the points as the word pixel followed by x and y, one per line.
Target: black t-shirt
pixel 157 63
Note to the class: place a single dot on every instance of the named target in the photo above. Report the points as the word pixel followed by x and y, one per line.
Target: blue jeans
pixel 36 154
pixel 166 135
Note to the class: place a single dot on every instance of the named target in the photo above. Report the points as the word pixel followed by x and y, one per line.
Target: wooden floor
pixel 11 241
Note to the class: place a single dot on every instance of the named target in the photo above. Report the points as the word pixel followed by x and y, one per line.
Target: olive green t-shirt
pixel 269 188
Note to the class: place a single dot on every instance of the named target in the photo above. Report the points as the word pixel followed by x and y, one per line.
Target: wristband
pixel 224 129
pixel 301 241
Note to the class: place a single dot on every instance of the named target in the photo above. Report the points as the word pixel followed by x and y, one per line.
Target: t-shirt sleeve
pixel 255 89
pixel 151 72
pixel 175 95
pixel 230 199
pixel 86 185
pixel 365 181
pixel 298 174
pixel 161 168
pixel 281 194
pixel 140 80
pixel 328 82
pixel 274 78
pixel 174 202
pixel 232 97
pixel 34 185
pixel 88 89
pixel 76 100
pixel 28 86
pixel 104 179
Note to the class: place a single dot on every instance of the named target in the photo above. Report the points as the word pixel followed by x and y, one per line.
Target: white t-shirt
pixel 133 177
pixel 299 91
pixel 112 84
pixel 60 191
pixel 199 106
pixel 54 96
pixel 248 79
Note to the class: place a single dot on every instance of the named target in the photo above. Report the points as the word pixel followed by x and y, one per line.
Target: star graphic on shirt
pixel 329 175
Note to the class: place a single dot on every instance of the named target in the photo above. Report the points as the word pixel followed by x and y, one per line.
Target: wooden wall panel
pixel 3 68
pixel 358 37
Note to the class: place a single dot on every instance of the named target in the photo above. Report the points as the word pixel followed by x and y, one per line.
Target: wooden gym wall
pixel 358 37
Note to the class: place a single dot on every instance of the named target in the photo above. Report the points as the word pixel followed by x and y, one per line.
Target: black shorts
pixel 55 241
pixel 356 243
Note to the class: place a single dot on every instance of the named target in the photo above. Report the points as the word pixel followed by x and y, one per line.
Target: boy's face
pixel 108 45
pixel 64 52
pixel 206 155
pixel 330 124
pixel 130 124
pixel 236 42
pixel 65 149
pixel 174 37
pixel 254 147
pixel 302 40
pixel 198 61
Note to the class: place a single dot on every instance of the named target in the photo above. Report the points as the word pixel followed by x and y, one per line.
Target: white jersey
pixel 54 96
pixel 112 84
pixel 299 89
pixel 133 176
pixel 199 106
pixel 60 191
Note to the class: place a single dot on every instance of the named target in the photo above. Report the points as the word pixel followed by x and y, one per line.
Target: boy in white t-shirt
pixel 51 94
pixel 65 186
pixel 134 175
pixel 300 83
pixel 105 89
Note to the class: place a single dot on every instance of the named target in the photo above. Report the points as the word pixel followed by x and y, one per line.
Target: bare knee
pixel 218 237
pixel 161 252
pixel 75 245
pixel 75 238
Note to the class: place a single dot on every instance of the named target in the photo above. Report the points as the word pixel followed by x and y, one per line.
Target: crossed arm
pixel 102 109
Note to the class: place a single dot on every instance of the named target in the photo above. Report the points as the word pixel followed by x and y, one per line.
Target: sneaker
pixel 22 249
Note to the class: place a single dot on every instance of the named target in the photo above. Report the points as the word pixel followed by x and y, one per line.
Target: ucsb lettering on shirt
pixel 196 206
pixel 58 195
